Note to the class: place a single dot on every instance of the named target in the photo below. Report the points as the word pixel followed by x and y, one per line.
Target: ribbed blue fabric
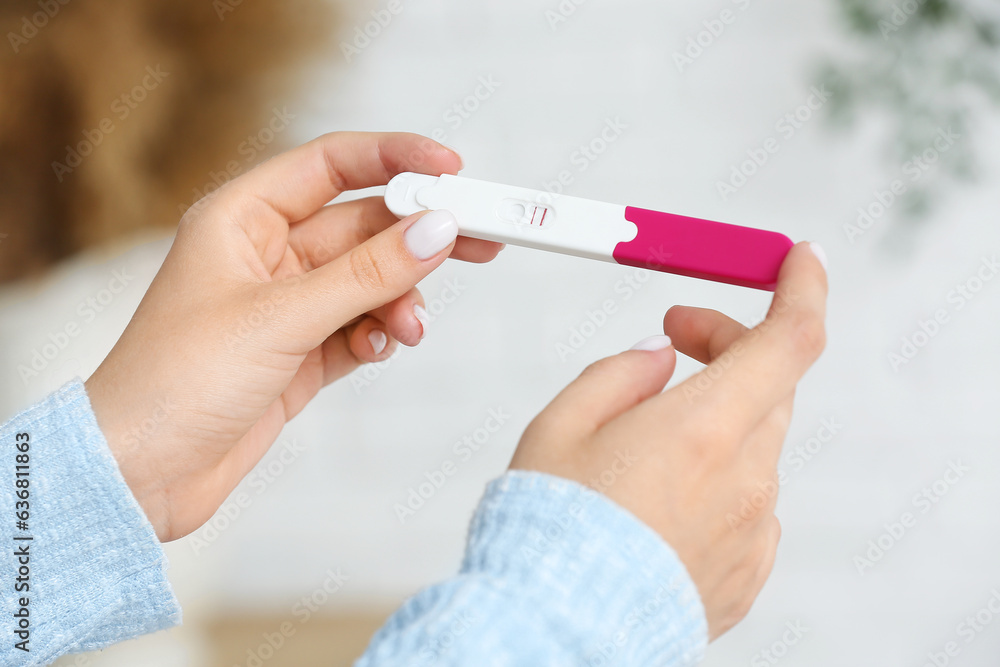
pixel 97 571
pixel 554 573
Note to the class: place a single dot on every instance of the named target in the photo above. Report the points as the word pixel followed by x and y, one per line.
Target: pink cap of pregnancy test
pixel 704 249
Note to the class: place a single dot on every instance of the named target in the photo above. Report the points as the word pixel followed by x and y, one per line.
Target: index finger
pixel 700 333
pixel 298 182
pixel 761 369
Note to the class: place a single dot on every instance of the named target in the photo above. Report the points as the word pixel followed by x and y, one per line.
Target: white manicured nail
pixel 379 340
pixel 461 161
pixel 431 234
pixel 819 252
pixel 423 317
pixel 653 344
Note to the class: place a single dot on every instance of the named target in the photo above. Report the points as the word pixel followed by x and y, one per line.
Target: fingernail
pixel 379 340
pixel 431 234
pixel 653 344
pixel 423 318
pixel 819 252
pixel 461 162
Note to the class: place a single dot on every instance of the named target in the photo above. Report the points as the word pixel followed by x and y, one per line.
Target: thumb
pixel 372 274
pixel 612 386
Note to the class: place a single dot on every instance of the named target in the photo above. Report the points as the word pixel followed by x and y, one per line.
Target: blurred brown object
pixel 114 115
pixel 326 640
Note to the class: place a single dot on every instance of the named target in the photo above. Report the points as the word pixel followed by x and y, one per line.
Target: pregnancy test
pixel 573 226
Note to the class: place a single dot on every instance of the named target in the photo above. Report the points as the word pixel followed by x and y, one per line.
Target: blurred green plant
pixel 922 65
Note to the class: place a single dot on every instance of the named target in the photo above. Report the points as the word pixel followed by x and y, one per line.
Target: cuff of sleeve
pixel 98 571
pixel 618 593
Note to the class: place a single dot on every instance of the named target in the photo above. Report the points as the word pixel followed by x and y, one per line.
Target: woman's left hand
pixel 267 295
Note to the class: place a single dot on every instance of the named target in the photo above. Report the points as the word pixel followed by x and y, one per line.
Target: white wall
pixel 495 346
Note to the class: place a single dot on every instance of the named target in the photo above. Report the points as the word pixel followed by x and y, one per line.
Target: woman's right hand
pixel 698 463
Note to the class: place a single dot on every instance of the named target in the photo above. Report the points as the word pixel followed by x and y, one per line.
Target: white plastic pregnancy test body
pixel 595 230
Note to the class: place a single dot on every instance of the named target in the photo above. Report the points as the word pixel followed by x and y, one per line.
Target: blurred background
pixel 868 126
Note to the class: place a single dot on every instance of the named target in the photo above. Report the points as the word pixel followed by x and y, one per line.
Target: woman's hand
pixel 267 295
pixel 698 463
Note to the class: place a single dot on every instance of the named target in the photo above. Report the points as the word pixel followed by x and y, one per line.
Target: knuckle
pixel 189 219
pixel 764 547
pixel 538 430
pixel 756 499
pixel 194 215
pixel 809 335
pixel 743 608
pixel 603 368
pixel 366 269
pixel 752 505
pixel 777 420
pixel 713 438
pixel 328 145
pixel 775 531
pixel 772 506
pixel 766 542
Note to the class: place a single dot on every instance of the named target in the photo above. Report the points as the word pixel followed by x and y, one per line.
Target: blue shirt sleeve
pixel 554 574
pixel 84 570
